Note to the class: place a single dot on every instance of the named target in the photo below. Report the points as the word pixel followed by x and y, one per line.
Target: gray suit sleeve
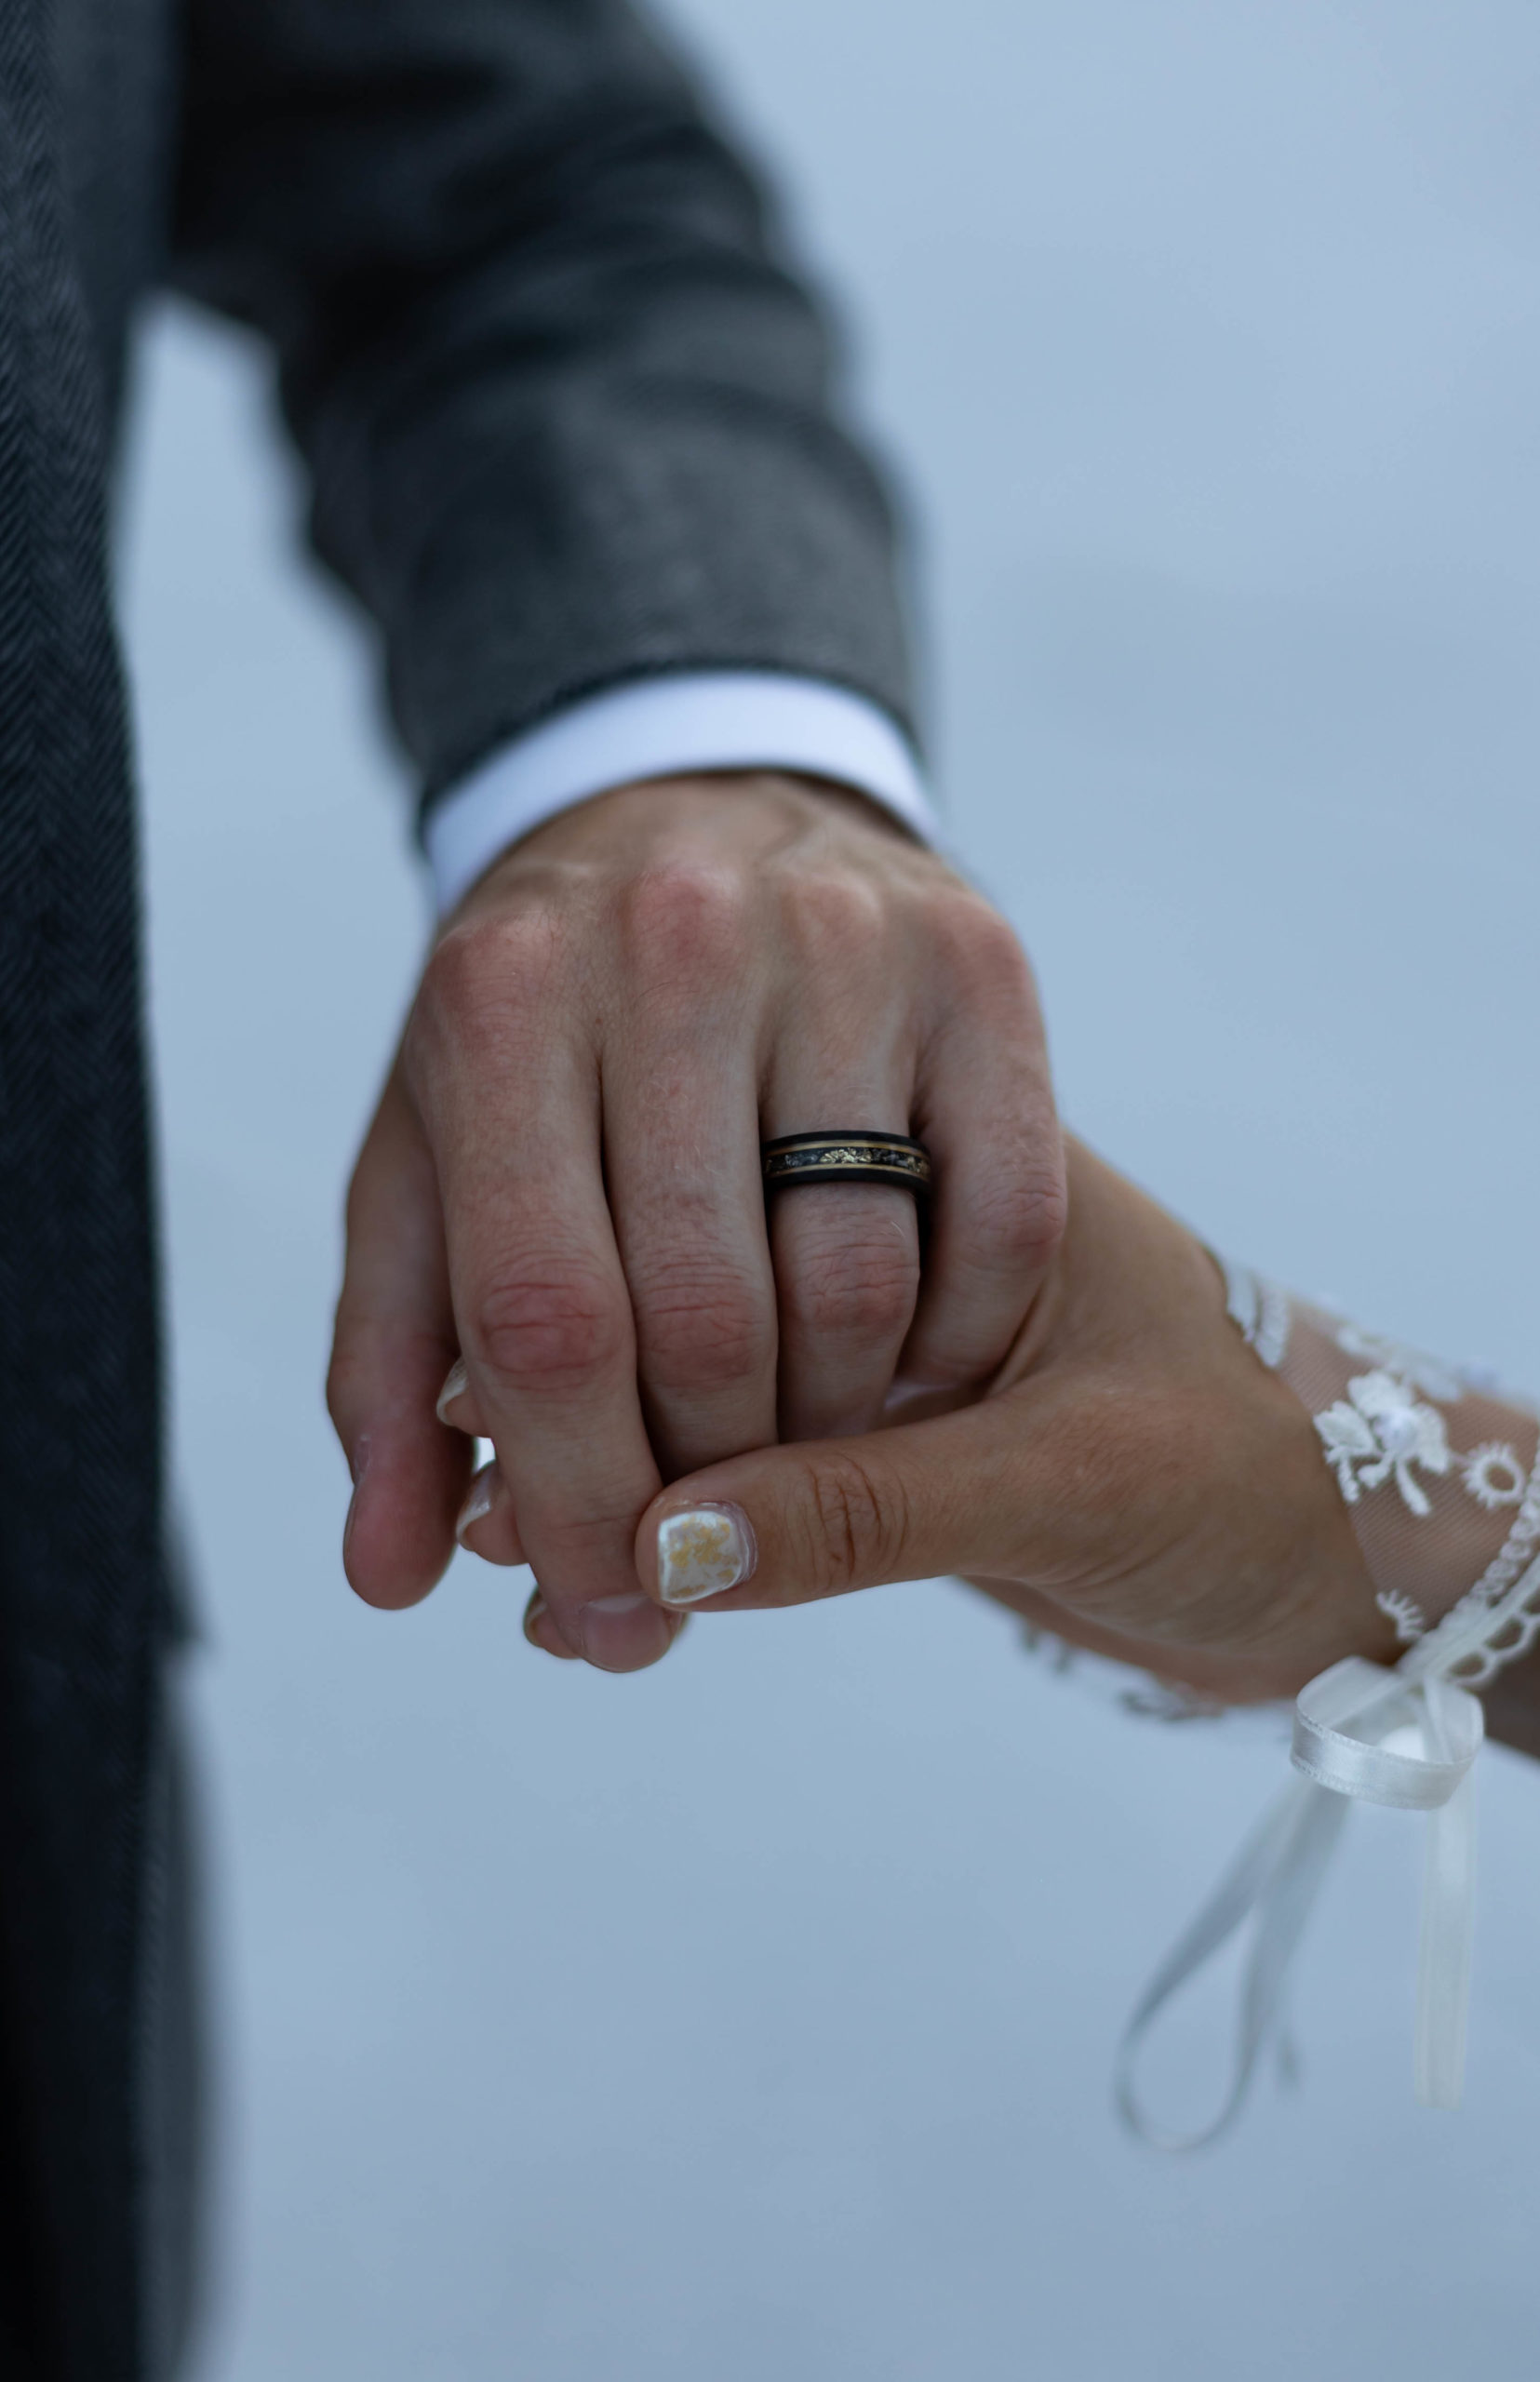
pixel 566 416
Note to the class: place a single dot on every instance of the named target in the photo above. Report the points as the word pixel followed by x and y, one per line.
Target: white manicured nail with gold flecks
pixel 701 1552
pixel 454 1382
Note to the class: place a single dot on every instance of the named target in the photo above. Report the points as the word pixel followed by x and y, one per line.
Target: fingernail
pixel 622 1633
pixel 702 1551
pixel 483 1494
pixel 542 1632
pixel 454 1382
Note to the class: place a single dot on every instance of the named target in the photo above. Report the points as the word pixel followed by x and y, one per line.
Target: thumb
pixel 786 1525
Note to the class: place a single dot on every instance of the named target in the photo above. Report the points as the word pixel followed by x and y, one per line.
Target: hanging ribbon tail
pixel 1410 1742
pixel 1362 1735
pixel 1278 1874
pixel 1447 1925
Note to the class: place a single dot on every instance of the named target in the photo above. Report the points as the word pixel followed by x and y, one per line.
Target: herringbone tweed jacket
pixel 566 422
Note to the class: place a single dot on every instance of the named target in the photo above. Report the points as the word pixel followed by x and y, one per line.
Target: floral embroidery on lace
pixel 1380 1432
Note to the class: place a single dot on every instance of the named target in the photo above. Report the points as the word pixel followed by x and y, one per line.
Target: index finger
pixel 543 1312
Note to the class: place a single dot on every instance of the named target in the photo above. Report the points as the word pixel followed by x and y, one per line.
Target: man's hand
pixel 1135 1480
pixel 562 1183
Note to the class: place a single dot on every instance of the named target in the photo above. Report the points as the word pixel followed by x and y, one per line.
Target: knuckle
pixel 984 949
pixel 834 916
pixel 683 919
pixel 486 973
pixel 700 1327
pixel 344 1383
pixel 548 1329
pixel 392 1371
pixel 1021 1216
pixel 860 1289
pixel 855 1523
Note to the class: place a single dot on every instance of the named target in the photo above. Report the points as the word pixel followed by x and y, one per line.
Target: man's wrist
pixel 685 725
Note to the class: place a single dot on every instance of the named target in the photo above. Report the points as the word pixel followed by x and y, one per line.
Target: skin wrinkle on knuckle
pixel 855 1523
pixel 860 1289
pixel 548 1330
pixel 701 1350
pixel 366 1357
pixel 1015 1217
pixel 697 1329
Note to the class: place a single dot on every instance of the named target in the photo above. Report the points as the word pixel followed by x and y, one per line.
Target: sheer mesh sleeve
pixel 1438 1465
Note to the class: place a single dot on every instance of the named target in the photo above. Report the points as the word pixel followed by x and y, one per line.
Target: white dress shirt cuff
pixel 666 727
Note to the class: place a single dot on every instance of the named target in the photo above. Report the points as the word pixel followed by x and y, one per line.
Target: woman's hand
pixel 1134 1479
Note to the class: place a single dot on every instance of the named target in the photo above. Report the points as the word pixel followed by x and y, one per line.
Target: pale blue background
pixel 752 2019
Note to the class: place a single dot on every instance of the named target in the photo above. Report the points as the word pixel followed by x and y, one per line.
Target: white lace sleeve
pixel 1439 1468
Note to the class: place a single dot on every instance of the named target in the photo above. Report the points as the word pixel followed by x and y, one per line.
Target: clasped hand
pixel 562 1183
pixel 561 1194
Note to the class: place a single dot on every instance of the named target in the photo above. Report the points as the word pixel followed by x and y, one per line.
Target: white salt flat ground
pixel 752 2019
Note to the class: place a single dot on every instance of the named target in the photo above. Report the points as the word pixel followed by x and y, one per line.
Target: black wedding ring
pixel 796 1158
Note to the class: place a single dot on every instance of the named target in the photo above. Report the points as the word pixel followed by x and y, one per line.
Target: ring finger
pixel 846 1258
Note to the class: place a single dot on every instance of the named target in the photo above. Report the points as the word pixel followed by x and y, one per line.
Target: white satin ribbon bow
pixel 1407 1738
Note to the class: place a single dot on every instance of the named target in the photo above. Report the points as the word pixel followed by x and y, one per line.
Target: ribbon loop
pixel 1445 1722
